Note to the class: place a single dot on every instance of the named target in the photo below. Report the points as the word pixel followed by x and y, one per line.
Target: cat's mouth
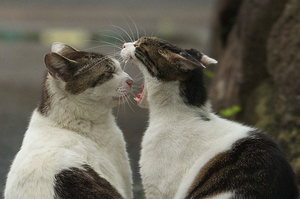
pixel 141 98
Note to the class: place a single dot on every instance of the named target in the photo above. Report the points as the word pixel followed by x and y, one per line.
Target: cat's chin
pixel 120 99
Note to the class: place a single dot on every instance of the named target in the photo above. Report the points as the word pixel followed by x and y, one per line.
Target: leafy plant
pixel 231 111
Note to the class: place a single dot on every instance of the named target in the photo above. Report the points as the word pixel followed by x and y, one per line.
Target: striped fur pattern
pixel 73 147
pixel 189 152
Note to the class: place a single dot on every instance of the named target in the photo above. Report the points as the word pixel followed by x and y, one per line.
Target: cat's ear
pixel 59 66
pixel 186 61
pixel 62 49
pixel 178 60
pixel 200 57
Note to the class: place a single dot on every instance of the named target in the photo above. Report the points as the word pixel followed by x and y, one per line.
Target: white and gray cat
pixel 189 152
pixel 73 148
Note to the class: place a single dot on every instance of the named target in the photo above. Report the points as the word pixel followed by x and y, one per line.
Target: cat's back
pixel 253 167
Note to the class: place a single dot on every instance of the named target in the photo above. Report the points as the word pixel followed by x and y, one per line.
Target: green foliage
pixel 209 73
pixel 230 111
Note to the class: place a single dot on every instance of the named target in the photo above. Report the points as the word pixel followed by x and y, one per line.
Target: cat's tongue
pixel 140 95
pixel 141 98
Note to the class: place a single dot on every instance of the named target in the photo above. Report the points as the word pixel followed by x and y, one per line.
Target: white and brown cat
pixel 189 152
pixel 73 148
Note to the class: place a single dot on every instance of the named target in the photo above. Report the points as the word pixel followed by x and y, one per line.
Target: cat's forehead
pixel 92 69
pixel 150 40
pixel 158 44
pixel 94 63
pixel 81 55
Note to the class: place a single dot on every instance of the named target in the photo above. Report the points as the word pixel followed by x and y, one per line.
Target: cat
pixel 188 151
pixel 73 148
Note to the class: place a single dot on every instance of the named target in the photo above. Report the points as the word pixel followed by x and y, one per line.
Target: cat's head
pixel 165 62
pixel 87 76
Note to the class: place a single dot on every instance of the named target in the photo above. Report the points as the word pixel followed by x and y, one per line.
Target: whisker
pixel 157 32
pixel 108 44
pixel 137 31
pixel 124 68
pixel 145 33
pixel 138 79
pixel 123 31
pixel 102 46
pixel 116 31
pixel 110 36
pixel 113 45
pixel 115 54
pixel 128 101
pixel 135 77
pixel 118 108
pixel 129 29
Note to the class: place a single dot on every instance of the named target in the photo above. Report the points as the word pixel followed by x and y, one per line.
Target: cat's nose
pixel 123 46
pixel 129 82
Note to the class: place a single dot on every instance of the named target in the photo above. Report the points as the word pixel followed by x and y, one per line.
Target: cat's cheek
pixel 126 55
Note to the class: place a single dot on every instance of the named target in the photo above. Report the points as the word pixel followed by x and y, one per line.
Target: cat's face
pixel 164 61
pixel 88 76
pixel 161 59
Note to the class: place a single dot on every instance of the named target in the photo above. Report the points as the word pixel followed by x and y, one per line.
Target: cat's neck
pixel 74 113
pixel 164 99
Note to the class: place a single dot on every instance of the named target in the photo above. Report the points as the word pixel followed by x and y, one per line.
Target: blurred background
pixel 257 43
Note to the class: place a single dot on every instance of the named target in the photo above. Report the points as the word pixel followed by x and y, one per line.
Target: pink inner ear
pixel 207 60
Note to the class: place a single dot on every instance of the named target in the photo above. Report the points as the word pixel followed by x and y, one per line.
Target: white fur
pixel 207 60
pixel 178 142
pixel 57 47
pixel 80 129
pixel 228 195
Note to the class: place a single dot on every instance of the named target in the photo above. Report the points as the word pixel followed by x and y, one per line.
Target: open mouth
pixel 141 98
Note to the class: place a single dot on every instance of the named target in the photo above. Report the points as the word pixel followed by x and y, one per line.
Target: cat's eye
pixel 110 74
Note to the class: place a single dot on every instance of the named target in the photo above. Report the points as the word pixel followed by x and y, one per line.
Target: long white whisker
pixel 137 79
pixel 129 28
pixel 113 45
pixel 108 44
pixel 137 31
pixel 145 33
pixel 124 68
pixel 138 75
pixel 123 31
pixel 116 31
pixel 110 36
pixel 101 46
pixel 157 32
pixel 128 101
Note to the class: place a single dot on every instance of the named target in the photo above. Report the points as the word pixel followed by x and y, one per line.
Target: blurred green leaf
pixel 209 73
pixel 230 111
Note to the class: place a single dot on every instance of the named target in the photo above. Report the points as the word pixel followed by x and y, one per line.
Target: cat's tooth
pixel 136 99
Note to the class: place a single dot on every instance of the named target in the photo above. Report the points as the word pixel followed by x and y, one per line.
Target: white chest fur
pixel 177 144
pixel 48 149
